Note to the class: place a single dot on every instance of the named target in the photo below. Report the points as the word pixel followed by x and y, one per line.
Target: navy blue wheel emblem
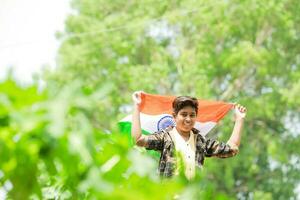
pixel 164 122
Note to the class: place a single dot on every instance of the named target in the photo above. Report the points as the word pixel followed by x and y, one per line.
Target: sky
pixel 27 35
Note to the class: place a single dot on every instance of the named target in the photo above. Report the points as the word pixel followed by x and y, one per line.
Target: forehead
pixel 188 109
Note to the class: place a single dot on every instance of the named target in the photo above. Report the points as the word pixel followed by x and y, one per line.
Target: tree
pixel 243 51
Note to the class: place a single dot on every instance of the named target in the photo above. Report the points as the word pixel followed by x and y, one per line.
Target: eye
pixel 193 115
pixel 184 114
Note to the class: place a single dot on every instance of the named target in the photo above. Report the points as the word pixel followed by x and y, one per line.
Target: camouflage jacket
pixel 162 141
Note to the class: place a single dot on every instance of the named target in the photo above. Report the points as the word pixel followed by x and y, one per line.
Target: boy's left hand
pixel 239 111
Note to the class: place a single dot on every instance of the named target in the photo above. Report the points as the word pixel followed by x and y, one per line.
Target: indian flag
pixel 156 114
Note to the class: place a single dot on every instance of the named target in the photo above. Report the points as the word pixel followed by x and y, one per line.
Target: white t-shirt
pixel 187 150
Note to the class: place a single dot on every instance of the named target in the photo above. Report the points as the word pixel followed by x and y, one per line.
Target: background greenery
pixel 62 142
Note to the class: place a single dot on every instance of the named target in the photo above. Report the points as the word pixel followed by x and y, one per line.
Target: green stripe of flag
pixel 125 128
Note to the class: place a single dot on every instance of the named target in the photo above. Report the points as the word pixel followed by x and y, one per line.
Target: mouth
pixel 188 124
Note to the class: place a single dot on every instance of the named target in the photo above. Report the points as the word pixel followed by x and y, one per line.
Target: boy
pixel 184 138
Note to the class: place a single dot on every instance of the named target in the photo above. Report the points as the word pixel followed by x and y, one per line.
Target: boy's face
pixel 185 119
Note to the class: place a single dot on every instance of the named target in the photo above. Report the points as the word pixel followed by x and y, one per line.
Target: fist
pixel 137 97
pixel 239 111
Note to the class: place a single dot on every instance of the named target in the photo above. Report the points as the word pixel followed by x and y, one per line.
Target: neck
pixel 184 134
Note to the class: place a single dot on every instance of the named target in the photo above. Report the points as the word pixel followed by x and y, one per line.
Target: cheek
pixel 178 120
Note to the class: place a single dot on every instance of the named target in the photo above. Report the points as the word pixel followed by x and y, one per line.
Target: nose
pixel 188 118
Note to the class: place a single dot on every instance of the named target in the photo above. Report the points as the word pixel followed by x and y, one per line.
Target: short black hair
pixel 183 101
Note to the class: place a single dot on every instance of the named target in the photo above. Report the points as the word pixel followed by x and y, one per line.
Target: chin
pixel 187 129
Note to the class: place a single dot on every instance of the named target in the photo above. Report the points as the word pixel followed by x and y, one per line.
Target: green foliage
pixel 63 142
pixel 50 148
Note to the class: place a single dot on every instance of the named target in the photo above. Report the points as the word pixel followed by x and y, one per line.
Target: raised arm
pixel 240 114
pixel 136 131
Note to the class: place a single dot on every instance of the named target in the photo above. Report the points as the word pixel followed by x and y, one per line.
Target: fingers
pixel 136 97
pixel 240 111
pixel 240 107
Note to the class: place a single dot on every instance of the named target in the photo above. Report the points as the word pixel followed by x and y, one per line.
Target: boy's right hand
pixel 137 97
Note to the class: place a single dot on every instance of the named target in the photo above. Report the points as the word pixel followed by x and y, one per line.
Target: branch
pixel 238 84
